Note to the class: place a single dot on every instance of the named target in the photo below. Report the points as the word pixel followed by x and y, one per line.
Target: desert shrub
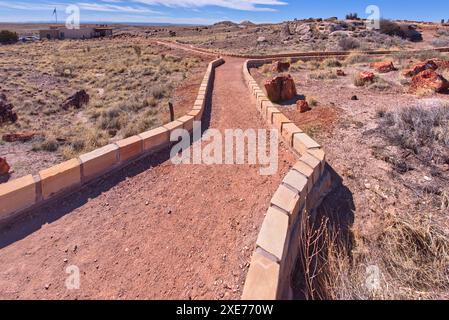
pixel 322 75
pixel 422 130
pixel 403 31
pixel 410 254
pixel 158 91
pixel 330 63
pixel 137 51
pixel 298 65
pixel 49 144
pixel 8 37
pixel 311 101
pixel 441 42
pixel 359 81
pixel 355 58
pixel 379 84
pixel 265 69
pixel 443 32
pixel 348 43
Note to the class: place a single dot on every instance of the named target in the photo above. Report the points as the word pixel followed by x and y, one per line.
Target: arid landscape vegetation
pixel 126 87
pixel 383 120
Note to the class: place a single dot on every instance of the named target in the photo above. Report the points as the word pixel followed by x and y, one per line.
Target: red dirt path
pixel 153 230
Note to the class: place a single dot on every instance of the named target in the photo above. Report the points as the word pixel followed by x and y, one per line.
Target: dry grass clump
pixel 421 130
pixel 330 63
pixel 355 58
pixel 348 43
pixel 323 75
pixel 406 259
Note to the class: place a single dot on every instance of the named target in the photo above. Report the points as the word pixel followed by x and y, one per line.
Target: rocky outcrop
pixel 420 67
pixel 4 167
pixel 6 110
pixel 341 73
pixel 22 136
pixel 383 66
pixel 77 100
pixel 279 66
pixel 429 80
pixel 281 88
pixel 366 77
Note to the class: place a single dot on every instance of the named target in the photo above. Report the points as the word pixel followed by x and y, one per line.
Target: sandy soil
pixel 154 230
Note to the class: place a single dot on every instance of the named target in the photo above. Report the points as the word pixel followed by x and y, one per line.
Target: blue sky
pixel 209 11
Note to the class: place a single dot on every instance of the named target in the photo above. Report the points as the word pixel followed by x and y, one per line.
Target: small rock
pixel 4 167
pixel 66 260
pixel 47 286
pixel 354 98
pixel 427 178
pixel 302 106
pixel 21 136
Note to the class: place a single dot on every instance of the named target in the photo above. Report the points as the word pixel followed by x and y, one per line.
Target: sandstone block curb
pixel 60 177
pixel 99 161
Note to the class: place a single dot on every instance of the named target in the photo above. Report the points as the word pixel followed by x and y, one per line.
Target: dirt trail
pixel 153 230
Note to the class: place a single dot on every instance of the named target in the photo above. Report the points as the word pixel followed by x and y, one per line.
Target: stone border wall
pixel 300 193
pixel 34 190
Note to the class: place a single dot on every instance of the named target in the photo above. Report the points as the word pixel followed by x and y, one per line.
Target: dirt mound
pixel 281 88
pixel 429 80
pixel 6 112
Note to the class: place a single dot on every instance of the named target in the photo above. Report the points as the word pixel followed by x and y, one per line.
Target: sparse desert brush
pixel 313 65
pixel 49 144
pixel 266 69
pixel 379 84
pixel 422 130
pixel 405 259
pixel 349 43
pixel 323 75
pixel 355 58
pixel 358 80
pixel 330 63
pixel 312 101
pixel 441 42
pixel 298 65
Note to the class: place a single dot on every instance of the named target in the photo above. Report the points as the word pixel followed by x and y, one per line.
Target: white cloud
pixel 113 8
pixel 245 5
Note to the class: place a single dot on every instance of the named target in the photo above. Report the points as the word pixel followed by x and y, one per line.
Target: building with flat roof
pixel 62 33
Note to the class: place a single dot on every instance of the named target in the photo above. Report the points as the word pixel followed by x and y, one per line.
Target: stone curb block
pixel 17 195
pixel 262 279
pixel 60 177
pixel 98 161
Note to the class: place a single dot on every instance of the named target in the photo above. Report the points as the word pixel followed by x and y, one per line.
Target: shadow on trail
pixel 32 220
